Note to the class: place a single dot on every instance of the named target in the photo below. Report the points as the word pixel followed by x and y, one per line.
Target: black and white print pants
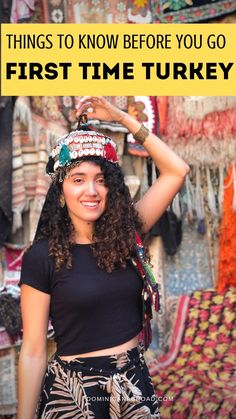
pixel 101 387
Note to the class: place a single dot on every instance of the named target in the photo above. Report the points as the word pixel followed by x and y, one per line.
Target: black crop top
pixel 90 308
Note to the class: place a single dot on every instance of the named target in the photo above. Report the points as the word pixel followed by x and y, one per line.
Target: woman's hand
pixel 97 107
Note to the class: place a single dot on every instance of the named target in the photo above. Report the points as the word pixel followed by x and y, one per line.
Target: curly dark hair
pixel 113 237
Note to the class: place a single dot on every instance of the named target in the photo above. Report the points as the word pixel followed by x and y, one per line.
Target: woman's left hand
pixel 97 107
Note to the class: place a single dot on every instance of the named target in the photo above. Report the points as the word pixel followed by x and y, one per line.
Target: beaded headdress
pixel 82 142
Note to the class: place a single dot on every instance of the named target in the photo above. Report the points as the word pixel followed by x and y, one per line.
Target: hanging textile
pixel 53 11
pixel 97 11
pixel 177 313
pixel 197 377
pixel 38 15
pixel 227 254
pixel 201 123
pixel 79 11
pixel 12 260
pixel 5 11
pixel 29 182
pixel 188 269
pixel 22 10
pixel 41 115
pixel 159 319
pixel 200 203
pixel 144 109
pixel 6 115
pixel 187 11
pixel 38 122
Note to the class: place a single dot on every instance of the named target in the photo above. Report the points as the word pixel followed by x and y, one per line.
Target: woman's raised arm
pixel 171 167
pixel 172 173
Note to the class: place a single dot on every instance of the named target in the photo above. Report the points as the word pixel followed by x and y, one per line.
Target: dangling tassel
pixel 64 155
pixel 176 206
pixel 234 186
pixel 190 198
pixel 157 302
pixel 17 219
pixel 210 193
pixel 199 204
pixel 199 197
pixel 201 228
pixel 221 188
pixel 151 279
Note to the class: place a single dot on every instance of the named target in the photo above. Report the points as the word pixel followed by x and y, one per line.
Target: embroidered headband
pixel 80 143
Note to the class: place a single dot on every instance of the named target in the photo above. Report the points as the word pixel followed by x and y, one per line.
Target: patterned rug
pixel 187 11
pixel 196 123
pixel 79 11
pixel 197 379
pixel 132 11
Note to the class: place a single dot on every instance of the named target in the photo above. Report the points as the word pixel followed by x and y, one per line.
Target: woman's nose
pixel 91 190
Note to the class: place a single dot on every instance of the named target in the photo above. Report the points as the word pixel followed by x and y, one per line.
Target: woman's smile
pixel 91 204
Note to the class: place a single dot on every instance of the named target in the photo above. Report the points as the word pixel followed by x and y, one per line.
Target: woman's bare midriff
pixel 132 343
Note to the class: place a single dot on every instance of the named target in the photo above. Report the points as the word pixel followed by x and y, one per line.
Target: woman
pixel 83 270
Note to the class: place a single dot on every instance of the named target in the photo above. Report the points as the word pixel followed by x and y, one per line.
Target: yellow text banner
pixel 118 59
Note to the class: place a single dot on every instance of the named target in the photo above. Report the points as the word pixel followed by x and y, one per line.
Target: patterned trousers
pixel 102 387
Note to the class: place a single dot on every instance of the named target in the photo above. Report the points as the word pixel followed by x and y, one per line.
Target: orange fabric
pixel 162 109
pixel 227 252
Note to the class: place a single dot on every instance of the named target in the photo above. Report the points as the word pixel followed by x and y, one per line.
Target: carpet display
pixel 196 379
pixel 197 123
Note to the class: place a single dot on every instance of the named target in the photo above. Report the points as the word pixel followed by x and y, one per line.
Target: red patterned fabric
pixel 200 381
pixel 196 123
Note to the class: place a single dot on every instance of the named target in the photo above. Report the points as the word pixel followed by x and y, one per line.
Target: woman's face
pixel 85 193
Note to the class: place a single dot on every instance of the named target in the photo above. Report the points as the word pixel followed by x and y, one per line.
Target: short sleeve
pixel 36 268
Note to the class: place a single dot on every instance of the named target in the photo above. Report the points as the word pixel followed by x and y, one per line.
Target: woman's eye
pixel 78 180
pixel 101 181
